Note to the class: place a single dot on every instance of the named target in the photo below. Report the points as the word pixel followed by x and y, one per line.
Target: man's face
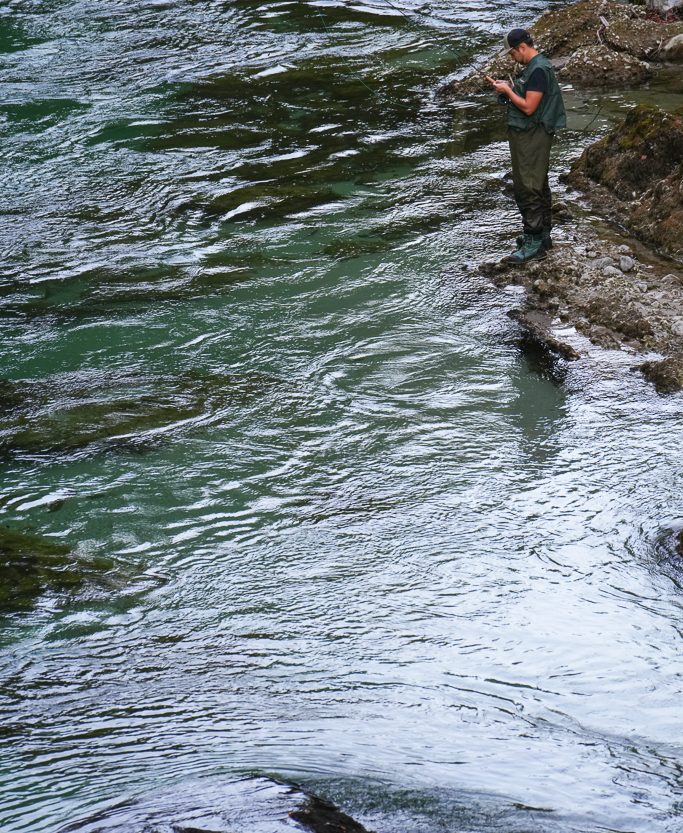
pixel 520 53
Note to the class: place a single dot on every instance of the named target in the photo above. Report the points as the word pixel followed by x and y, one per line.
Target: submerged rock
pixel 31 565
pixel 321 816
pixel 68 412
pixel 257 805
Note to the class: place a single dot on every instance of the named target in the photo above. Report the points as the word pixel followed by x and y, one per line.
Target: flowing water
pixel 304 508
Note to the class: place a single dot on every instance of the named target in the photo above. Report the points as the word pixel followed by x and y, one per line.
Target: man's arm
pixel 528 105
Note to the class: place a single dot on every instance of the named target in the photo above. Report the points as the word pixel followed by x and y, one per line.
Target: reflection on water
pixel 287 494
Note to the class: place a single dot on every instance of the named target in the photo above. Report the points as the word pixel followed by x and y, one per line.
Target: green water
pixel 303 506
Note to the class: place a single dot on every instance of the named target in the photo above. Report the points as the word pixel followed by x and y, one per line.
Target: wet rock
pixel 666 374
pixel 602 336
pixel 673 49
pixel 537 328
pixel 320 816
pixel 561 212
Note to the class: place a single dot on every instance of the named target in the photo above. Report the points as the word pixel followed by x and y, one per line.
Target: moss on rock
pixel 666 374
pixel 639 165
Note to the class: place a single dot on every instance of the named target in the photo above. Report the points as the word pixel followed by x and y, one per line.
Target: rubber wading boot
pixel 532 248
pixel 547 239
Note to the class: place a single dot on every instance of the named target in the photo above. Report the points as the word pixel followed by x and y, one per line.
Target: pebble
pixel 610 271
pixel 626 263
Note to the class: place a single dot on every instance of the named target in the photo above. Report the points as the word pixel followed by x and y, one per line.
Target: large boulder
pixel 561 32
pixel 673 49
pixel 639 166
pixel 644 39
pixel 600 66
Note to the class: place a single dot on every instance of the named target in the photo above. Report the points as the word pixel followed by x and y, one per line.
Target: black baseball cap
pixel 513 39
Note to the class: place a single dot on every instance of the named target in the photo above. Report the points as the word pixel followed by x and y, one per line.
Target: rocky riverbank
pixel 609 295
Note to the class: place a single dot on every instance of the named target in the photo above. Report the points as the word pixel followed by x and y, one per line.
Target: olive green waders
pixel 530 154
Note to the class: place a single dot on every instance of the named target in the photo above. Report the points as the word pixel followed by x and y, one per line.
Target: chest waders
pixel 530 139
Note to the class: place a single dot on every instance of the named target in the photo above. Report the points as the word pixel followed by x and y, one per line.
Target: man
pixel 535 110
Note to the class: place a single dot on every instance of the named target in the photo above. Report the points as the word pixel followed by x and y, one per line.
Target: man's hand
pixel 499 86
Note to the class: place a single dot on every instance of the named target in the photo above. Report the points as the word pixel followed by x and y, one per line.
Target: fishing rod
pixel 419 29
pixel 322 19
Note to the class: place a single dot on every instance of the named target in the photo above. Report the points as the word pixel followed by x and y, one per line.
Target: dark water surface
pixel 304 507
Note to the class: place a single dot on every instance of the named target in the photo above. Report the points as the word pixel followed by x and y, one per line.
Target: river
pixel 336 526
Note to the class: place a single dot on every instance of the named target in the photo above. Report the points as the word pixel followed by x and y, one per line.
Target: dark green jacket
pixel 550 112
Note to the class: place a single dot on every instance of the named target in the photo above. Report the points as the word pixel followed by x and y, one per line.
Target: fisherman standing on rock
pixel 535 110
